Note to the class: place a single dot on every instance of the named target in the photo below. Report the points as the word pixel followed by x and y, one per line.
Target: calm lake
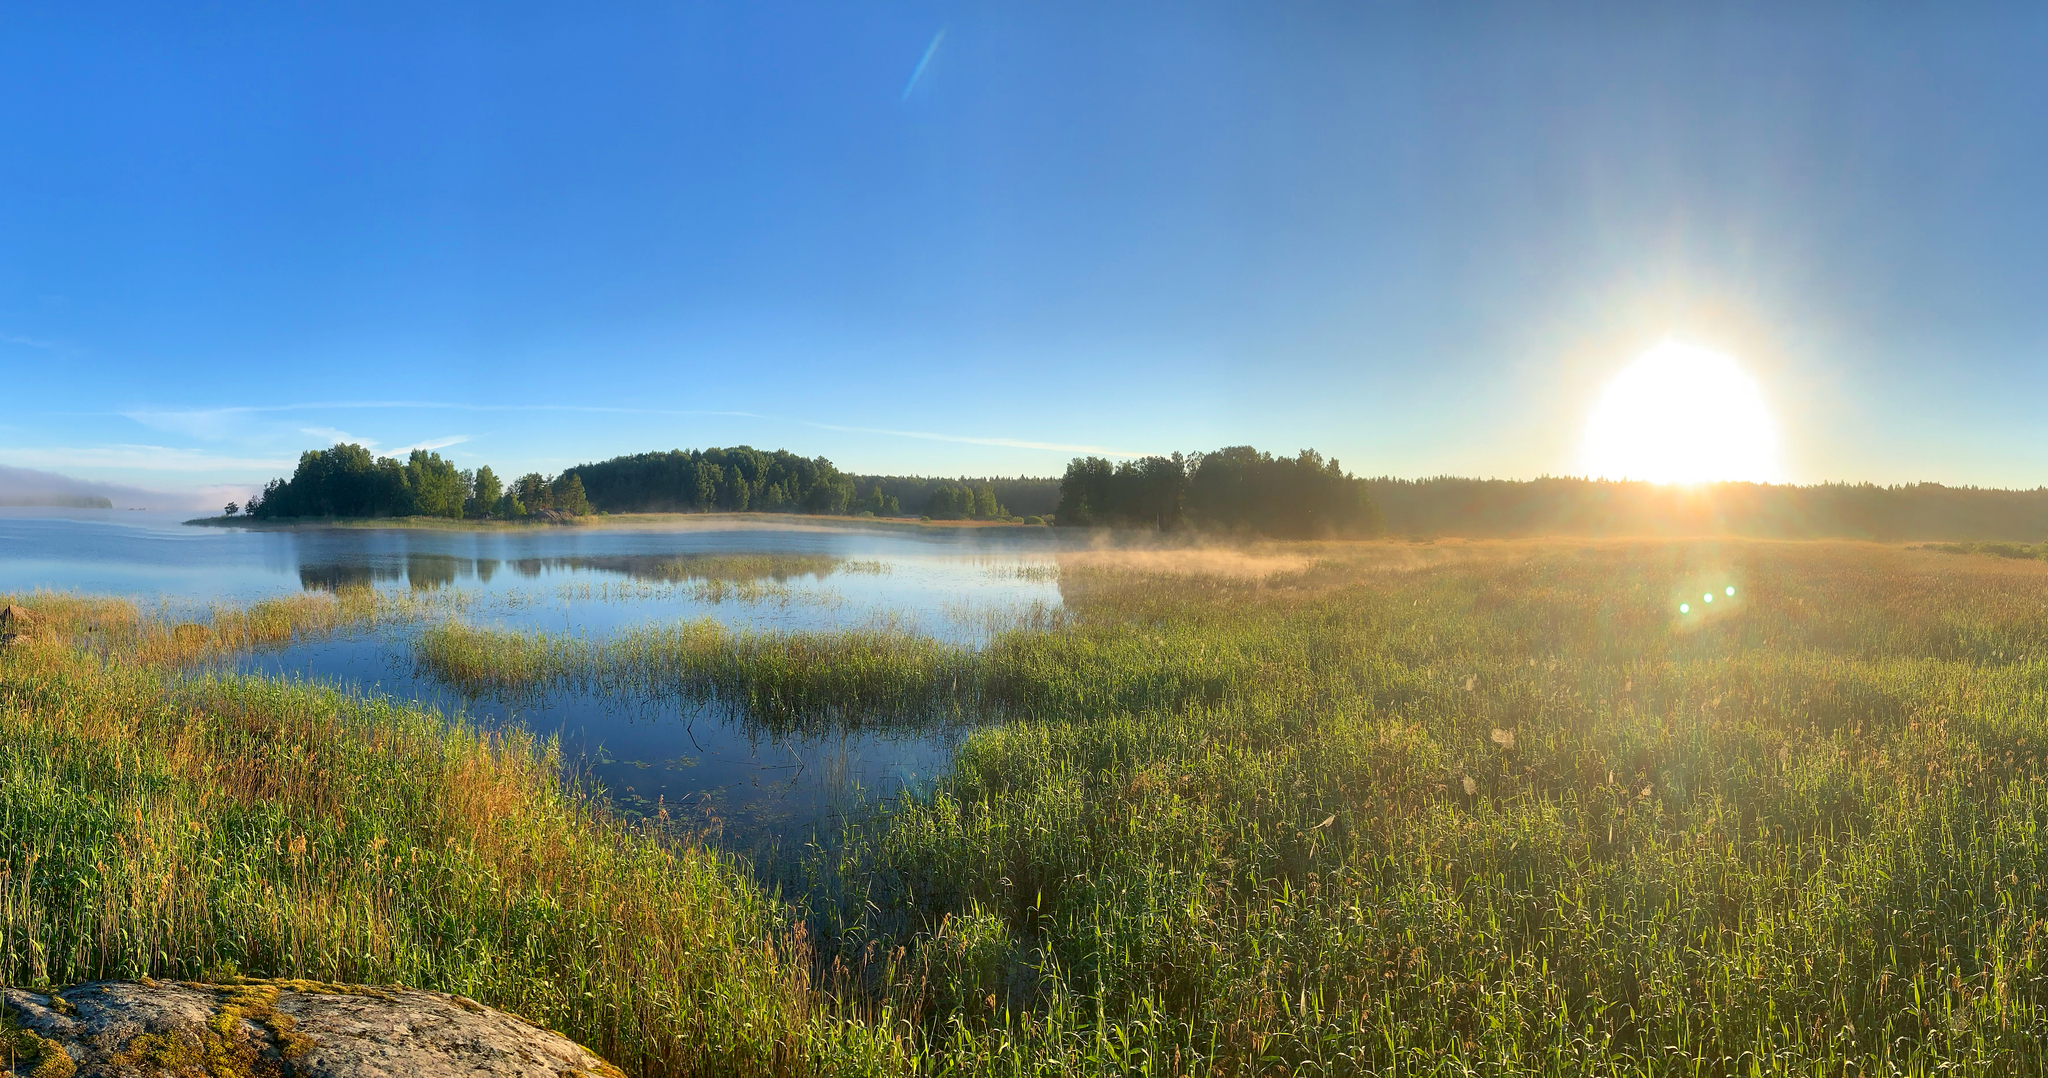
pixel 707 767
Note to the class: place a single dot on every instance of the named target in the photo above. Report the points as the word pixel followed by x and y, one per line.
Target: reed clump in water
pixel 851 676
pixel 730 567
pixel 166 636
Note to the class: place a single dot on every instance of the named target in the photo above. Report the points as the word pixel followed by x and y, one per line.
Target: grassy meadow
pixel 1375 808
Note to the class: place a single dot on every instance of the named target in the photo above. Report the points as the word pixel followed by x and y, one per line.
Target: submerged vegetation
pixel 1310 809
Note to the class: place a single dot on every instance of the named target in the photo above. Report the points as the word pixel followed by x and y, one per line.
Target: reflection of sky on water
pixel 704 765
pixel 153 556
pixel 710 769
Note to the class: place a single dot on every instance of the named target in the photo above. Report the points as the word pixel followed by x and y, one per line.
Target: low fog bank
pixel 30 487
pixel 1448 506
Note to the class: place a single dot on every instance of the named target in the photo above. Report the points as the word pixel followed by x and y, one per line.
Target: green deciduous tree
pixel 432 486
pixel 485 488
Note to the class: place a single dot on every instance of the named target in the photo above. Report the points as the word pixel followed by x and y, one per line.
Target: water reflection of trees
pixel 431 570
pixel 437 570
pixel 750 565
pixel 334 577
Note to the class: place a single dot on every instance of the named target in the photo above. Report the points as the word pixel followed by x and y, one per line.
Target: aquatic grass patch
pixel 779 678
pixel 745 592
pixel 888 676
pixel 744 577
pixel 170 635
pixel 731 567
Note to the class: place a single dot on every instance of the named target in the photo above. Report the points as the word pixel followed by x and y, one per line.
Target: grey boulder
pixel 275 1029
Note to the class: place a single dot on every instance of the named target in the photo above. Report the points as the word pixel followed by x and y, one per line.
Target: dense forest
pixel 1024 496
pixel 349 481
pixel 737 480
pixel 1238 489
pixel 743 479
pixel 1449 506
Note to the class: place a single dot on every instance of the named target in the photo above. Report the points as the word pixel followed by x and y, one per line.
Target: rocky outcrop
pixel 275 1029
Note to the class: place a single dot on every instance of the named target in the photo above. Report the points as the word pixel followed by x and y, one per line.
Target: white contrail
pixel 922 63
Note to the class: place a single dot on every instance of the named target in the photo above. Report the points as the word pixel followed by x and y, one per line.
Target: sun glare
pixel 1681 414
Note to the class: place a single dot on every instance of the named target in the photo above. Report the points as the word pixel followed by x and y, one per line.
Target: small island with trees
pixel 349 483
pixel 1239 489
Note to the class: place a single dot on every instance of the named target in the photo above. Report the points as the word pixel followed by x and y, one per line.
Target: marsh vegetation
pixel 1291 808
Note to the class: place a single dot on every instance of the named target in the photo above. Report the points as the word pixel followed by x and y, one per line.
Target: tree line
pixel 745 479
pixel 349 481
pixel 736 480
pixel 1233 489
pixel 941 499
pixel 1479 508
pixel 1238 489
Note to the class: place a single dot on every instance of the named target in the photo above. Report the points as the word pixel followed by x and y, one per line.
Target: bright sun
pixel 1681 414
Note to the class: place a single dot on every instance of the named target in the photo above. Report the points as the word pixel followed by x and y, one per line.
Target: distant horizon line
pixel 18 483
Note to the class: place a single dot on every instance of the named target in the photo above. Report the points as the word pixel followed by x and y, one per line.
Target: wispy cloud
pixel 923 62
pixel 431 443
pixel 331 434
pixel 25 342
pixel 336 436
pixel 146 458
pixel 170 416
pixel 198 418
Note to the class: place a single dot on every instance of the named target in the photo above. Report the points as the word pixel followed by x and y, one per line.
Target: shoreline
pixel 620 522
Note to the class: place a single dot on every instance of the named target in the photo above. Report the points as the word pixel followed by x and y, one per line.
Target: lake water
pixel 707 767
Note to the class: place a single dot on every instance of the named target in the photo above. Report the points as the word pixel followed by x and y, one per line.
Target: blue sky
pixel 949 238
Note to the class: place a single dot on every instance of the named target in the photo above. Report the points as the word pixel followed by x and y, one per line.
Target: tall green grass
pixel 153 823
pixel 1506 812
pixel 1309 809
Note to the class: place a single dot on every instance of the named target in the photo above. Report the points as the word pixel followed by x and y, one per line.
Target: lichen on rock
pixel 271 1029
